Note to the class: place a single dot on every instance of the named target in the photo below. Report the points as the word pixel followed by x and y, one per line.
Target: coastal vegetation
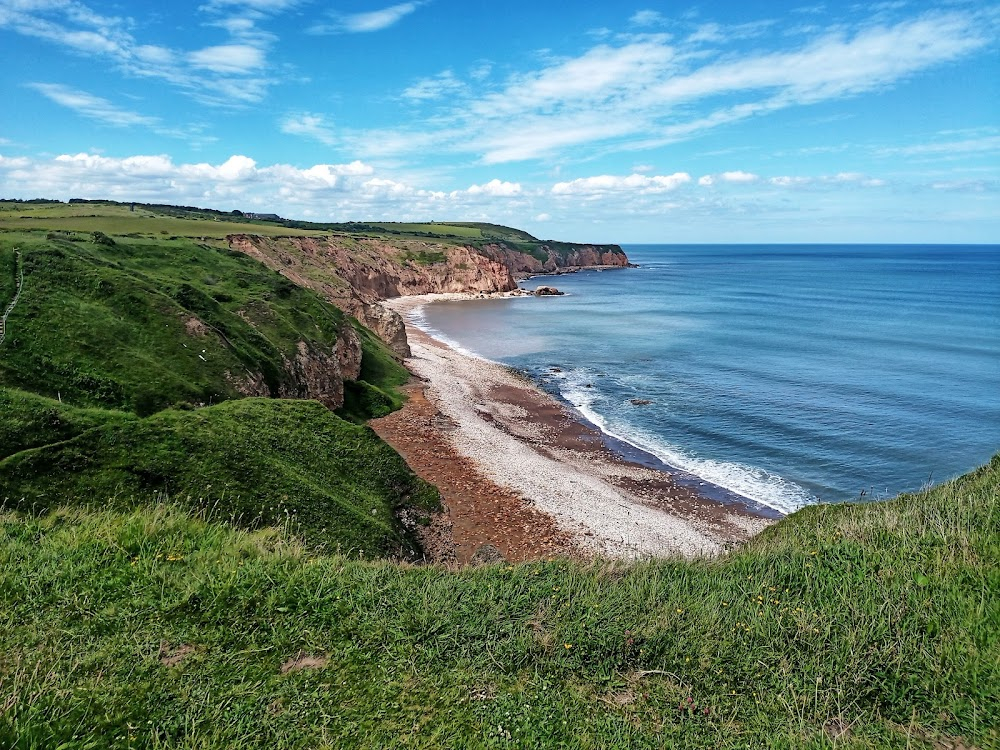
pixel 843 626
pixel 183 566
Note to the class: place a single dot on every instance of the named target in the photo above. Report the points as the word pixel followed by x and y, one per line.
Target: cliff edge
pixel 356 272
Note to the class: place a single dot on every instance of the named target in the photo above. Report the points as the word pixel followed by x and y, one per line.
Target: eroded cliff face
pixel 556 259
pixel 311 373
pixel 356 273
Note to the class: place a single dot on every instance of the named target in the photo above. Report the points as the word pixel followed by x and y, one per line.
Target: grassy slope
pixel 105 327
pixel 260 461
pixel 881 618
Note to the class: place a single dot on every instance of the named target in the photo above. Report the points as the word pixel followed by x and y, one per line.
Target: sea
pixel 782 375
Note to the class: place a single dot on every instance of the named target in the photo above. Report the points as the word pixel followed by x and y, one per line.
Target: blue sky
pixel 655 122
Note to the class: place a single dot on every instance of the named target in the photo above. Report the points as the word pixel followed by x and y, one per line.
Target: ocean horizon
pixel 785 374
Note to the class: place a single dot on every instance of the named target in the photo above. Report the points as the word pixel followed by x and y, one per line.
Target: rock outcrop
pixel 356 272
pixel 311 373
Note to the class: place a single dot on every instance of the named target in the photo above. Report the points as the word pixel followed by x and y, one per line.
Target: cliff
pixel 357 272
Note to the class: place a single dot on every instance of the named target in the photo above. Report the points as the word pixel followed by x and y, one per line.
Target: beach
pixel 521 472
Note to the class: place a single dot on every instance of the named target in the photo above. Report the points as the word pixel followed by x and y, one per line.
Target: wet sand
pixel 518 470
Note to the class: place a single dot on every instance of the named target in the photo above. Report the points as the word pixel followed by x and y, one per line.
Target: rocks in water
pixel 548 291
pixel 640 401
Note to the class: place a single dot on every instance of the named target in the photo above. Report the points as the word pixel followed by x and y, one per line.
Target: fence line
pixel 19 266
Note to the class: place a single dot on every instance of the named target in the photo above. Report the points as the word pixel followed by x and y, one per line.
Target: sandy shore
pixel 519 471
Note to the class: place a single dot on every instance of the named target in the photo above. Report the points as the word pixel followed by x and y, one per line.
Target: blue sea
pixel 786 374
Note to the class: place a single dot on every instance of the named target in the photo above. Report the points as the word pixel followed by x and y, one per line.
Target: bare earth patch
pixel 170 656
pixel 304 661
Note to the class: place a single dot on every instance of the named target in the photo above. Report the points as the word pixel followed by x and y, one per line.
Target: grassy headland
pixel 124 371
pixel 176 576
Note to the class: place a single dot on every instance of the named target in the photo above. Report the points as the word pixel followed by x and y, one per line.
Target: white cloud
pixel 788 181
pixel 826 181
pixel 967 186
pixel 263 6
pixel 645 91
pixel 309 126
pixel 437 87
pixel 92 107
pixel 647 18
pixel 217 75
pixel 107 113
pixel 376 20
pixel 738 176
pixel 495 188
pixel 706 180
pixel 947 148
pixel 635 183
pixel 707 32
pixel 228 58
pixel 543 217
pixel 343 191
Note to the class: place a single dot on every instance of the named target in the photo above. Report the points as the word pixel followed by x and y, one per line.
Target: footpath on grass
pixel 19 269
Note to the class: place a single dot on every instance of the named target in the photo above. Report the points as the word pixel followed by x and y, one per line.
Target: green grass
pixel 435 228
pixel 256 461
pixel 31 421
pixel 881 619
pixel 115 219
pixel 112 329
pixel 143 324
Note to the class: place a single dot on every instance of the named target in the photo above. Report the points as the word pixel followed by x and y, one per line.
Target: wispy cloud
pixel 647 91
pixel 107 113
pixel 263 6
pixel 989 144
pixel 92 107
pixel 228 58
pixel 647 18
pixel 309 125
pixel 359 23
pixel 227 74
pixel 437 87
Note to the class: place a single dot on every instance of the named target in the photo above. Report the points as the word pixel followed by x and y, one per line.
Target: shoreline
pixel 577 489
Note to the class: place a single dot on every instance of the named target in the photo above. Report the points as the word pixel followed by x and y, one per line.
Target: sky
pixel 671 122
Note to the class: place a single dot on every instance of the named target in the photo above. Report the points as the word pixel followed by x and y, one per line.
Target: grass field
pixel 841 627
pixel 119 220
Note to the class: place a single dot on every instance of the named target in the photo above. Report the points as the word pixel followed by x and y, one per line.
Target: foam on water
pixel 419 319
pixel 578 389
pixel 782 373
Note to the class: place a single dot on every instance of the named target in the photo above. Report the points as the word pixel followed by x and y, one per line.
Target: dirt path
pixel 19 268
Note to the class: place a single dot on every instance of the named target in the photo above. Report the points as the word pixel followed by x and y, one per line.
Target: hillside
pixel 125 372
pixel 352 265
pixel 852 626
pixel 203 545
